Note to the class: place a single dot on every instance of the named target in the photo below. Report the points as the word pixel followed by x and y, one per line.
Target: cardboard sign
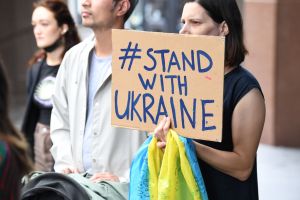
pixel 160 74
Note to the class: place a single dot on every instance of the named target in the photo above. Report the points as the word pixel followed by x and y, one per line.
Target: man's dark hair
pixel 228 11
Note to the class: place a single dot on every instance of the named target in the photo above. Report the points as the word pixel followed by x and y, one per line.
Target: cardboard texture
pixel 158 74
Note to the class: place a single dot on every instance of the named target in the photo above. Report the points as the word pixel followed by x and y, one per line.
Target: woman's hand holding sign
pixel 161 132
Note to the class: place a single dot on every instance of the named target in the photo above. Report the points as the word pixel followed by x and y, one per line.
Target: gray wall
pixel 16 46
pixel 16 41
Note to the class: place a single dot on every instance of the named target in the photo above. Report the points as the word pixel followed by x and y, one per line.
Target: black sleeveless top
pixel 220 186
pixel 43 91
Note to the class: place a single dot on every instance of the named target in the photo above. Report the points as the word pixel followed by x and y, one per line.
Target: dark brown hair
pixel 62 16
pixel 228 11
pixel 8 133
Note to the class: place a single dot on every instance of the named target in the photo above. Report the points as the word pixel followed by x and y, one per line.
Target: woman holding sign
pixel 228 168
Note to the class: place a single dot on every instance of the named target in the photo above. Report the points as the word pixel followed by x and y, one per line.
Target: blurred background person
pixel 55 33
pixel 14 155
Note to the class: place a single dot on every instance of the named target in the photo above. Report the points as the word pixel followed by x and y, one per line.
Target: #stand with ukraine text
pixel 180 76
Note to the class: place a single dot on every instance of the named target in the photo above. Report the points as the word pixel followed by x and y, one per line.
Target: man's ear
pixel 122 7
pixel 224 30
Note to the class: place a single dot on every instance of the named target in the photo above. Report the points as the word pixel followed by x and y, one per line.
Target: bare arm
pixel 247 124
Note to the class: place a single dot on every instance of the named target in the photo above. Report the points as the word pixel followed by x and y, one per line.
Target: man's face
pixel 98 14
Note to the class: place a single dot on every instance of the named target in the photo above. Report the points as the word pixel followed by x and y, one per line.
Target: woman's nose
pixel 36 30
pixel 184 29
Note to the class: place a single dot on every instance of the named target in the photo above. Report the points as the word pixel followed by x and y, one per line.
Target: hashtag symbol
pixel 132 51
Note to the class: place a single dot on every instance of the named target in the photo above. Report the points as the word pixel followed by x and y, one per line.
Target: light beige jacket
pixel 112 148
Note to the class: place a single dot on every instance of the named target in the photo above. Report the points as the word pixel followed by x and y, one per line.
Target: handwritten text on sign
pixel 160 74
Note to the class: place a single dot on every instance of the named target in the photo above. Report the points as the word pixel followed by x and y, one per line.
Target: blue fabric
pixel 139 174
pixel 191 155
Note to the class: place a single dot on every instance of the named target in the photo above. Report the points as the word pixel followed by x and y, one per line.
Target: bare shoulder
pixel 248 120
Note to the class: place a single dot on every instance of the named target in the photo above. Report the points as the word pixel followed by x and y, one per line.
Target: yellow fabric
pixel 170 174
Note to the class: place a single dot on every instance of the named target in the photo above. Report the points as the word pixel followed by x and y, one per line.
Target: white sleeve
pixel 59 126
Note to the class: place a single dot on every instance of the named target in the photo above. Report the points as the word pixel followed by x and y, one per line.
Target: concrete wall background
pixel 287 121
pixel 16 43
pixel 272 36
pixel 260 26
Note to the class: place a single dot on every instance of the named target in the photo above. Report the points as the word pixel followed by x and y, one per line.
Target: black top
pixel 52 185
pixel 43 92
pixel 32 111
pixel 220 186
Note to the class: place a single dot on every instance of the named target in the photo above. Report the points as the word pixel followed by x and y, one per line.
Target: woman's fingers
pixel 161 145
pixel 167 126
pixel 161 132
pixel 158 132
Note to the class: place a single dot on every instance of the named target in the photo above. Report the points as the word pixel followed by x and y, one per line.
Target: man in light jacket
pixel 81 132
